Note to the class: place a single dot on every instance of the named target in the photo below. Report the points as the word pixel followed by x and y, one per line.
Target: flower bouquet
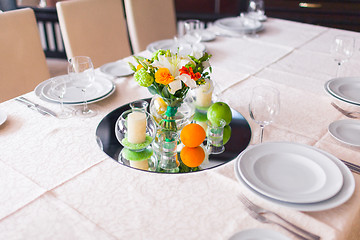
pixel 170 76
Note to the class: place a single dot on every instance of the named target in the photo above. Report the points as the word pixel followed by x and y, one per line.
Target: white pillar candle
pixel 204 95
pixel 143 164
pixel 136 123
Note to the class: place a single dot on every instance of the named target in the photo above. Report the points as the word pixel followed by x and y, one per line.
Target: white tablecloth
pixel 56 183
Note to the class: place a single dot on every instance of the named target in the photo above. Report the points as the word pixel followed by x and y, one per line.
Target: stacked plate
pixel 295 175
pixel 243 24
pixel 99 90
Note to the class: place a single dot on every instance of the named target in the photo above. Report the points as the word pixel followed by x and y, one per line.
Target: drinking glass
pixel 82 75
pixel 264 106
pixel 192 31
pixel 256 9
pixel 58 88
pixel 342 48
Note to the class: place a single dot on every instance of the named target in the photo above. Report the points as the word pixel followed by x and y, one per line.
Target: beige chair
pixel 94 28
pixel 149 21
pixel 22 59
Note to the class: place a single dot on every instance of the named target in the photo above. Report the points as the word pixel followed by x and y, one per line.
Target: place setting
pixel 247 24
pixel 345 90
pixel 190 39
pixel 80 87
pixel 295 175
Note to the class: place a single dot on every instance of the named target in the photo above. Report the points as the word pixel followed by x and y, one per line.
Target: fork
pixel 346 113
pixel 259 211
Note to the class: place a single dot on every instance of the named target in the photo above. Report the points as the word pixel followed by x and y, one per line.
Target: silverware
pixel 257 213
pixel 30 106
pixel 353 167
pixel 38 107
pixel 346 113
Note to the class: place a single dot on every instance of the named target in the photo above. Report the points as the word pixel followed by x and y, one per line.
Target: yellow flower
pixel 163 76
pixel 139 67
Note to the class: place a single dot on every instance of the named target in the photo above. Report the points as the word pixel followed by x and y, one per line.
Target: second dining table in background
pixel 56 182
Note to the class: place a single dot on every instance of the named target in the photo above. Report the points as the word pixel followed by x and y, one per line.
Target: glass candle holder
pixel 135 129
pixel 168 142
pixel 139 104
pixel 215 134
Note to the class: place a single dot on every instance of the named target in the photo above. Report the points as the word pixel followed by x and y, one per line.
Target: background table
pixel 56 183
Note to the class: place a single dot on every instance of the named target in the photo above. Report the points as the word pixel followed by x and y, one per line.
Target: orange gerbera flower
pixel 163 76
pixel 189 71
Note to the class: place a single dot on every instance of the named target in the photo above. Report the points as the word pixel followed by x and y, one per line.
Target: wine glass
pixel 82 75
pixel 58 88
pixel 256 9
pixel 192 32
pixel 342 48
pixel 264 106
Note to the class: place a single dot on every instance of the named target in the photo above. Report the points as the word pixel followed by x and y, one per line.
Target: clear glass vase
pixel 172 114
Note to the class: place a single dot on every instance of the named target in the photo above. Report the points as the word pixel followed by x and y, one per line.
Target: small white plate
pixel 101 88
pixel 206 35
pixel 3 117
pixel 341 197
pixel 170 44
pixel 290 172
pixel 258 234
pixel 117 69
pixel 240 24
pixel 345 88
pixel 346 131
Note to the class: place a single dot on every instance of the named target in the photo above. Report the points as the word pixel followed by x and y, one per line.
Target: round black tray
pixel 239 140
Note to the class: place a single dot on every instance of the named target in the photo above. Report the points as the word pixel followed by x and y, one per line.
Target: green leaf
pixel 132 67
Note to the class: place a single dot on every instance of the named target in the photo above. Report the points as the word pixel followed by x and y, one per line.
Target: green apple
pixel 226 134
pixel 218 111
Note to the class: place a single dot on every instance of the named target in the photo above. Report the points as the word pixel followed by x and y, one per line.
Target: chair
pixel 22 59
pixel 94 28
pixel 149 21
pixel 7 5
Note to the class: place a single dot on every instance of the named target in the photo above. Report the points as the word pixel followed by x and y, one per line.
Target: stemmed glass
pixel 192 32
pixel 82 75
pixel 264 106
pixel 58 88
pixel 342 48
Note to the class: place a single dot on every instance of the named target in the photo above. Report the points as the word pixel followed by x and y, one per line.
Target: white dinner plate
pixel 258 234
pixel 290 172
pixel 240 24
pixel 172 45
pixel 341 197
pixel 3 117
pixel 117 69
pixel 346 131
pixel 104 85
pixel 346 89
pixel 206 35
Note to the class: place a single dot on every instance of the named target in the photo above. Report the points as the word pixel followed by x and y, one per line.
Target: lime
pixel 218 111
pixel 200 116
pixel 226 134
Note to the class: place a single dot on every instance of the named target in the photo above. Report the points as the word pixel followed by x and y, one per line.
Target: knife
pixel 38 107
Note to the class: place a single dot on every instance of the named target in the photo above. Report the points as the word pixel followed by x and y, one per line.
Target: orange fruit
pixel 192 156
pixel 192 135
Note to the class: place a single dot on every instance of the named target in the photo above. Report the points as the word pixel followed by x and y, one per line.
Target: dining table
pixel 57 183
